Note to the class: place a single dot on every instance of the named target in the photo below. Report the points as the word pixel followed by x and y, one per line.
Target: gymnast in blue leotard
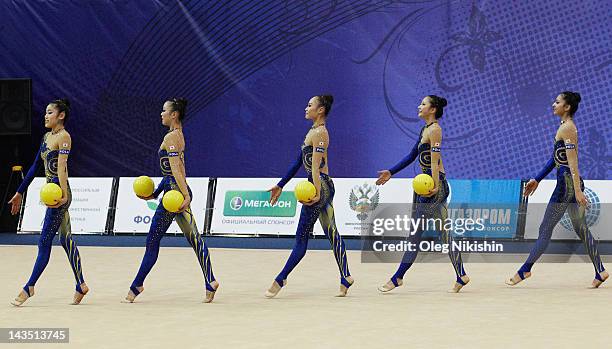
pixel 313 156
pixel 427 150
pixel 568 194
pixel 53 153
pixel 172 163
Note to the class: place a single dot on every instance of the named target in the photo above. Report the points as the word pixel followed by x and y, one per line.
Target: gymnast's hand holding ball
pixel 431 193
pixel 313 201
pixel 51 195
pixel 306 193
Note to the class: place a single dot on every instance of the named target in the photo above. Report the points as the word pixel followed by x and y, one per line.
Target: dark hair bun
pixel 182 101
pixel 63 105
pixel 573 99
pixel 65 101
pixel 443 102
pixel 326 102
pixel 179 105
pixel 439 103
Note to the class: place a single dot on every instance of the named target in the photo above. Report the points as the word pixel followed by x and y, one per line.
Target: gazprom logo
pixel 236 203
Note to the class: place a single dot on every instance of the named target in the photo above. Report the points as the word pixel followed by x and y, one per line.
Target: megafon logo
pixel 236 203
pixel 257 204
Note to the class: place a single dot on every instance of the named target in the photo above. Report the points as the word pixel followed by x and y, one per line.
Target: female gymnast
pixel 172 163
pixel 53 152
pixel 568 194
pixel 313 155
pixel 427 149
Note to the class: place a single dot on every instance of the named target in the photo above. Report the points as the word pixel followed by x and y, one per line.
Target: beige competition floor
pixel 553 309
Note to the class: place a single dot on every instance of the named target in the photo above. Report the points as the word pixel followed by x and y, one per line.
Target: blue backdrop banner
pixel 248 69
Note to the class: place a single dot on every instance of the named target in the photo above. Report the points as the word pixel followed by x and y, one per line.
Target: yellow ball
pixel 143 186
pixel 423 184
pixel 305 191
pixel 50 194
pixel 173 200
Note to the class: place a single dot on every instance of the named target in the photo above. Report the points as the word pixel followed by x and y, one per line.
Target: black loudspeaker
pixel 15 106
